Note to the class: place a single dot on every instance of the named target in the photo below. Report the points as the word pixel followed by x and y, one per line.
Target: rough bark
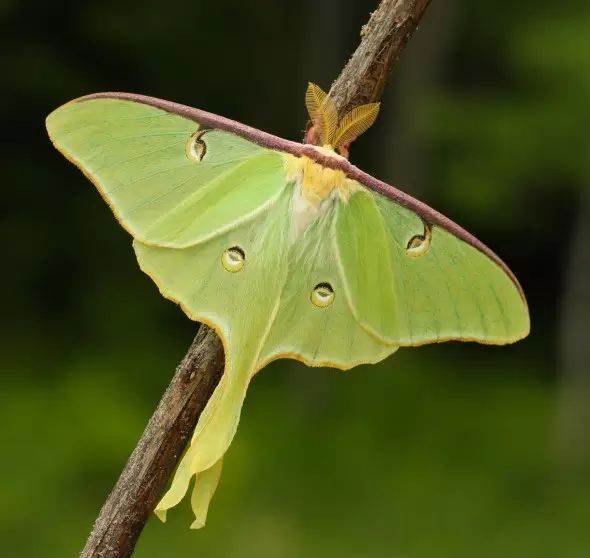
pixel 136 493
pixel 382 39
pixel 145 475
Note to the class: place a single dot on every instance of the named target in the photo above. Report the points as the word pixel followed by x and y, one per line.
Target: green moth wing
pixel 130 151
pixel 261 311
pixel 285 249
pixel 410 282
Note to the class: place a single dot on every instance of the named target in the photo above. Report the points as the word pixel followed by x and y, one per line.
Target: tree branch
pixel 382 39
pixel 145 475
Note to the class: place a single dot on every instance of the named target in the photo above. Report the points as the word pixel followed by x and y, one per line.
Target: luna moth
pixel 285 249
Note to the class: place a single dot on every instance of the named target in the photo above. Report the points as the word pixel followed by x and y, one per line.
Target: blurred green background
pixel 453 450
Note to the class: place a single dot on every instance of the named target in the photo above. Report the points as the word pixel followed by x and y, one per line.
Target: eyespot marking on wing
pixel 233 259
pixel 419 244
pixel 196 148
pixel 322 295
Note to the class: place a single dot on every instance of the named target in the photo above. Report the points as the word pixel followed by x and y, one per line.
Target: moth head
pixel 327 129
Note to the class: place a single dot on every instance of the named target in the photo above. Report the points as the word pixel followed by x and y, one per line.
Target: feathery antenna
pixel 324 117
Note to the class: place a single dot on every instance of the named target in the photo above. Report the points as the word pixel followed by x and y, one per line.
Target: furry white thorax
pixel 315 188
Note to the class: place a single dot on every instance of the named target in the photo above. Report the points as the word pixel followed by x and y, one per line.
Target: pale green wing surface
pixel 227 233
pixel 239 302
pixel 442 289
pixel 139 157
pixel 318 335
pixel 261 307
pixel 269 301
